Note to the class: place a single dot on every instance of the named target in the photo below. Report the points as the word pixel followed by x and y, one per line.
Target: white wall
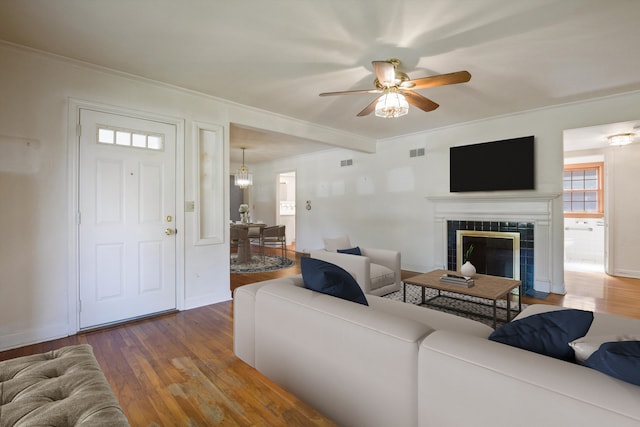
pixel 36 285
pixel 622 208
pixel 381 200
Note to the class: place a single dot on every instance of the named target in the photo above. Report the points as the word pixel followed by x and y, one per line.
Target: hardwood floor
pixel 598 292
pixel 179 369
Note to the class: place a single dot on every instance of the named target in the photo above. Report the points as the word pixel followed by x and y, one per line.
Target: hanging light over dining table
pixel 243 178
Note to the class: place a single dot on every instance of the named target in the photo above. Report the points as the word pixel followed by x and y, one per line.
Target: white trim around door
pixel 73 136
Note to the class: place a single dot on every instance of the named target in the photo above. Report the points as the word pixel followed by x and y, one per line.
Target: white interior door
pixel 127 244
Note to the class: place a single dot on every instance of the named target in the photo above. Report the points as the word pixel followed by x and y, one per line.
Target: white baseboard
pixel 33 336
pixel 634 274
pixel 201 301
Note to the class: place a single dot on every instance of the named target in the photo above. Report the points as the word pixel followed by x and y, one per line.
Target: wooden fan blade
pixel 419 101
pixel 385 72
pixel 350 92
pixel 441 80
pixel 369 108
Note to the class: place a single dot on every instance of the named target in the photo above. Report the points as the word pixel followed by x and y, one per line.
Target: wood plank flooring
pixel 179 369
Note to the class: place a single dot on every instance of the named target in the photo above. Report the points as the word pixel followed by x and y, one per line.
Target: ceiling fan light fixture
pixel 392 104
pixel 243 178
pixel 621 139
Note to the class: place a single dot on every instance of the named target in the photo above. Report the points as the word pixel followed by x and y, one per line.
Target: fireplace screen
pixel 494 253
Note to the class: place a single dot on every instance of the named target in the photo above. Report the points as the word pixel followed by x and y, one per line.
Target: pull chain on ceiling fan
pixel 398 91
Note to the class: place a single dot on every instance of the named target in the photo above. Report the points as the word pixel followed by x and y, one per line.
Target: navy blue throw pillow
pixel 546 333
pixel 328 278
pixel 351 251
pixel 619 359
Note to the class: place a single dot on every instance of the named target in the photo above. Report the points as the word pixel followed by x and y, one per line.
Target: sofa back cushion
pixel 328 278
pixel 334 243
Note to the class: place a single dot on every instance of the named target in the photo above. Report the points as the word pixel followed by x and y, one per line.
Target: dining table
pixel 244 243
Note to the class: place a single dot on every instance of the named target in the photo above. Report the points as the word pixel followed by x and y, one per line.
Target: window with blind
pixel 583 190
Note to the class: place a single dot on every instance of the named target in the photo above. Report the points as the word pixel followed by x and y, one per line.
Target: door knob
pixel 170 231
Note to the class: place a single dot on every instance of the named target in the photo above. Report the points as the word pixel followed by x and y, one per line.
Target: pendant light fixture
pixel 392 104
pixel 243 178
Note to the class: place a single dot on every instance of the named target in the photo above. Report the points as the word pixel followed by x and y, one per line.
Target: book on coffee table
pixel 453 279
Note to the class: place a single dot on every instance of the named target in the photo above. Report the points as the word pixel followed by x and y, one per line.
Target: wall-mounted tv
pixel 503 165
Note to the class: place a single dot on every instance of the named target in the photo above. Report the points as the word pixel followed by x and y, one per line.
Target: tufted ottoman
pixel 63 387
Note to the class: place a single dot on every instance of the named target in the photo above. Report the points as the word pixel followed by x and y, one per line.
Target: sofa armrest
pixel 357 266
pixel 485 375
pixel 244 324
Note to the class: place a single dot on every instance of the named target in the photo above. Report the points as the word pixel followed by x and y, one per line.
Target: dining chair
pixel 275 236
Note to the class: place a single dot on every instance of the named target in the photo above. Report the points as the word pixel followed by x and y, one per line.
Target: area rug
pixel 459 305
pixel 259 264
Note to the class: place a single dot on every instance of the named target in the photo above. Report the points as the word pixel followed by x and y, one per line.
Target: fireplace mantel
pixel 533 207
pixel 492 196
pixel 494 206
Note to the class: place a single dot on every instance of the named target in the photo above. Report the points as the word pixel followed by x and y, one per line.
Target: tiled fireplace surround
pixel 528 214
pixel 525 229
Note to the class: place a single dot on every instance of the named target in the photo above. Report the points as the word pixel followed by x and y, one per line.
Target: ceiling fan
pixel 398 91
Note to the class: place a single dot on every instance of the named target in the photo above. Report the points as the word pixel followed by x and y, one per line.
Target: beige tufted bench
pixel 63 387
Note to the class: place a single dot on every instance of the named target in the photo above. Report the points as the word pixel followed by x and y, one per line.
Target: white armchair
pixel 377 271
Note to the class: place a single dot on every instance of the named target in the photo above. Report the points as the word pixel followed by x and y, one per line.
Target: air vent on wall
pixel 416 152
pixel 347 162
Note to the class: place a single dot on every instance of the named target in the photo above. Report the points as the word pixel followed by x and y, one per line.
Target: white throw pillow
pixel 585 346
pixel 335 243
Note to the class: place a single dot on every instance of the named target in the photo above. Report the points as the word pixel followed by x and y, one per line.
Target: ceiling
pixel 279 55
pixel 598 136
pixel 264 146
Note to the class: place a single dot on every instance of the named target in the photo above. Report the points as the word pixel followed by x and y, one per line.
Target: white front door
pixel 127 244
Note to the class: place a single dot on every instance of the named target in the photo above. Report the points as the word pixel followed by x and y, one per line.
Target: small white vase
pixel 468 270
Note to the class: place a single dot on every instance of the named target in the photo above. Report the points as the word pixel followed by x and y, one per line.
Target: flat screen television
pixel 503 165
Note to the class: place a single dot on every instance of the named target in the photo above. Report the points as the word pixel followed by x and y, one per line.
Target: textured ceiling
pixel 279 55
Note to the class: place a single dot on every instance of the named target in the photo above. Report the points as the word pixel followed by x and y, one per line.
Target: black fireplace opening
pixel 526 231
pixel 490 255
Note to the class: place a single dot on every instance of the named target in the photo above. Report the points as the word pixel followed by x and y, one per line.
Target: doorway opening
pixel 584 190
pixel 286 206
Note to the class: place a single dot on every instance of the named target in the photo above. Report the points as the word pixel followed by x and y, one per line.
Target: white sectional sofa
pixel 392 363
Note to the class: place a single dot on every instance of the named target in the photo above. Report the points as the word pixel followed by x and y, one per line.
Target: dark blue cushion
pixel 546 333
pixel 620 359
pixel 351 251
pixel 328 278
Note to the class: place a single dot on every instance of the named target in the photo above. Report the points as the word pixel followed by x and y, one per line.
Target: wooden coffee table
pixel 486 287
